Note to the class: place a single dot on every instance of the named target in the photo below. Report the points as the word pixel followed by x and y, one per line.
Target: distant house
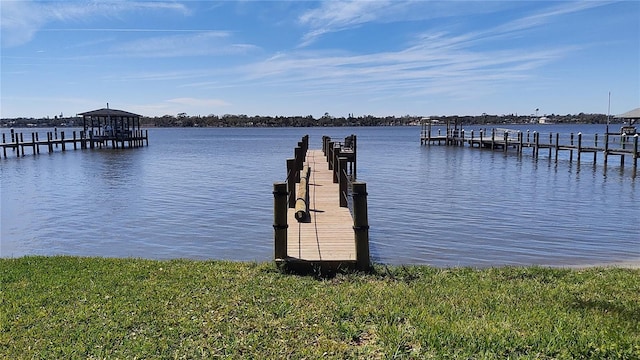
pixel 110 124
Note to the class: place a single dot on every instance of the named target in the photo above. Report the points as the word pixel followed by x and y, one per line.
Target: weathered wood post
pixel 579 146
pixel 64 146
pixel 38 141
pixel 330 154
pixel 4 147
pixel 520 137
pixel 506 141
pixel 354 169
pixel 623 141
pixel 536 141
pixel 595 145
pixel 33 142
pixel 361 225
pixel 571 149
pixel 49 143
pixel 557 145
pixel 23 142
pixel 13 135
pixel 75 145
pixel 291 182
pixel 635 151
pixel 280 220
pixel 606 149
pixel 342 183
pixel 298 155
pixel 336 167
pixel 550 144
pixel 17 137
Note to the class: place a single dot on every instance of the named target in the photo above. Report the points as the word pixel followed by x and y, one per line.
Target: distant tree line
pixel 229 120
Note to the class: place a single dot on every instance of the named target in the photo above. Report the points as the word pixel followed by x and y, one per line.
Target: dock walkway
pixel 328 233
pixel 320 213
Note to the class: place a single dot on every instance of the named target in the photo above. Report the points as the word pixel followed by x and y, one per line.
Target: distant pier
pixel 103 128
pixel 320 211
pixel 19 144
pixel 610 144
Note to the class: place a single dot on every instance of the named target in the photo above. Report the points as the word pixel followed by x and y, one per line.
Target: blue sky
pixel 287 58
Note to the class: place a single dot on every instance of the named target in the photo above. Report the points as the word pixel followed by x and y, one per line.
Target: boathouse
pixel 112 125
pixel 629 118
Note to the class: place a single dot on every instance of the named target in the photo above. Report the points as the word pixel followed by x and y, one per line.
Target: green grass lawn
pixel 69 307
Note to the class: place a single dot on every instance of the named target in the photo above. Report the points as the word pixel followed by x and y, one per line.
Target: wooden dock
pixel 610 144
pixel 102 128
pixel 53 140
pixel 326 236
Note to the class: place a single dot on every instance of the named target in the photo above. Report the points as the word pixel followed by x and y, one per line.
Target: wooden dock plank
pixel 328 234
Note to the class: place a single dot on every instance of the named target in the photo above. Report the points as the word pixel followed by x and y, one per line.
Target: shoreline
pixel 622 264
pixel 626 264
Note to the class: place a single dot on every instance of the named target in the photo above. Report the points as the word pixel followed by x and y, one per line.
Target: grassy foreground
pixel 69 307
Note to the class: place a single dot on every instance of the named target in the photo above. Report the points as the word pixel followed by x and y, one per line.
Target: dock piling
pixel 280 219
pixel 361 225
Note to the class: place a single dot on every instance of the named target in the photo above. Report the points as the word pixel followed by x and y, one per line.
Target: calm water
pixel 206 194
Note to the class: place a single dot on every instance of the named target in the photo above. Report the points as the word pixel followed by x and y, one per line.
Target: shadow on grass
pixel 630 312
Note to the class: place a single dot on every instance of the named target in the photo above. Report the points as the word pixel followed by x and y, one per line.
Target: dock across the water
pixel 610 144
pixel 20 144
pixel 320 212
pixel 102 128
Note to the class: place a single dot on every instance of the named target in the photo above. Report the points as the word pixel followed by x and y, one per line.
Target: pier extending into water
pixel 19 144
pixel 610 144
pixel 320 212
pixel 102 128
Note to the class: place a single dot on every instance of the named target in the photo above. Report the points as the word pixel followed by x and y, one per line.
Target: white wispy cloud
pixel 334 16
pixel 339 15
pixel 434 61
pixel 193 44
pixel 21 20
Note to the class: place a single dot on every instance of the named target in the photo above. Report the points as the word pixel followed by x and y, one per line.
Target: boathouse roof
pixel 633 114
pixel 109 112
